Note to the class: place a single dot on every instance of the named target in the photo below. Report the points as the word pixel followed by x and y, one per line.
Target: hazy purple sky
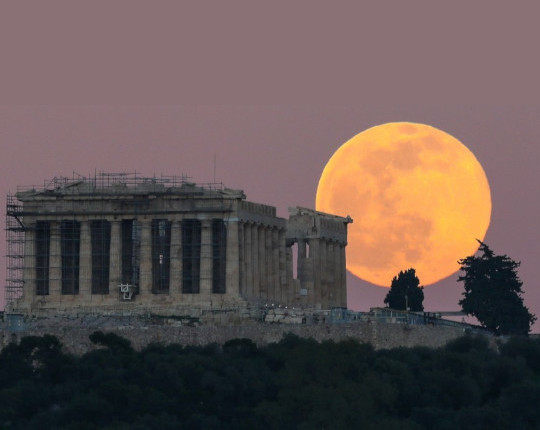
pixel 271 90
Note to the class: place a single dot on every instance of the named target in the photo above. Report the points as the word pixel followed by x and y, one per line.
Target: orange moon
pixel 418 198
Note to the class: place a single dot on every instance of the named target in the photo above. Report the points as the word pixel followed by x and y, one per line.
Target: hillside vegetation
pixel 294 384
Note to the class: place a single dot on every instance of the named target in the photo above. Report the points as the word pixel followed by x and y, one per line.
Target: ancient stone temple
pixel 121 243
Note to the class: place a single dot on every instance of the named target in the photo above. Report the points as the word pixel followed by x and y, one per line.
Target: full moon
pixel 417 196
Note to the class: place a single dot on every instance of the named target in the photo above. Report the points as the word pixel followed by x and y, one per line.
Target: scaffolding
pixel 15 249
pixel 109 182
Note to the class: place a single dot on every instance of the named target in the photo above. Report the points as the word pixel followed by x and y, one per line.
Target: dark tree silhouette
pixel 406 291
pixel 493 292
pixel 296 383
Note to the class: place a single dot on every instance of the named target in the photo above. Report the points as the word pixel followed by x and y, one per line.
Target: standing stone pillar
pixel 334 293
pixel 343 275
pixel 29 264
pixel 301 271
pixel 145 276
pixel 232 264
pixel 115 257
pixel 85 263
pixel 206 257
pixel 338 274
pixel 248 262
pixel 243 255
pixel 255 290
pixel 291 282
pixel 175 283
pixel 263 290
pixel 276 288
pixel 283 274
pixel 268 255
pixel 241 259
pixel 316 264
pixel 323 267
pixel 55 262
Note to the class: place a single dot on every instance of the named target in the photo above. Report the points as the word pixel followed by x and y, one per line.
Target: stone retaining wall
pixel 74 332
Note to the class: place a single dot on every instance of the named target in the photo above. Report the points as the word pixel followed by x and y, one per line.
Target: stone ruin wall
pixel 74 332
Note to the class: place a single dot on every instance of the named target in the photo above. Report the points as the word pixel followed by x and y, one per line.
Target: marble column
pixel 241 259
pixel 248 262
pixel 206 257
pixel 333 291
pixel 175 283
pixel 55 262
pixel 269 278
pixel 255 261
pixel 145 277
pixel 263 290
pixel 316 264
pixel 29 264
pixel 242 232
pixel 301 271
pixel 232 264
pixel 115 257
pixel 343 275
pixel 85 262
pixel 283 274
pixel 337 273
pixel 276 290
pixel 323 268
pixel 291 282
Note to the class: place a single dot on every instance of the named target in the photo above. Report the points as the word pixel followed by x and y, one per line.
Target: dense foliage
pixel 294 384
pixel 405 291
pixel 493 292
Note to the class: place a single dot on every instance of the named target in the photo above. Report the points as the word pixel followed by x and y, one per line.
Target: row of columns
pixel 145 269
pixel 266 268
pixel 322 272
pixel 258 263
pixel 262 262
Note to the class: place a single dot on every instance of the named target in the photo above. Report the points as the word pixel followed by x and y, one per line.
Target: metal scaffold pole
pixel 15 230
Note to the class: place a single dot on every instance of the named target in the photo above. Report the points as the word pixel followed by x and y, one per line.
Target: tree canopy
pixel 406 291
pixel 293 384
pixel 493 292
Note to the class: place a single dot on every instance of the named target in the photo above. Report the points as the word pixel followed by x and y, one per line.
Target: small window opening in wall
pixel 294 249
pixel 307 249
